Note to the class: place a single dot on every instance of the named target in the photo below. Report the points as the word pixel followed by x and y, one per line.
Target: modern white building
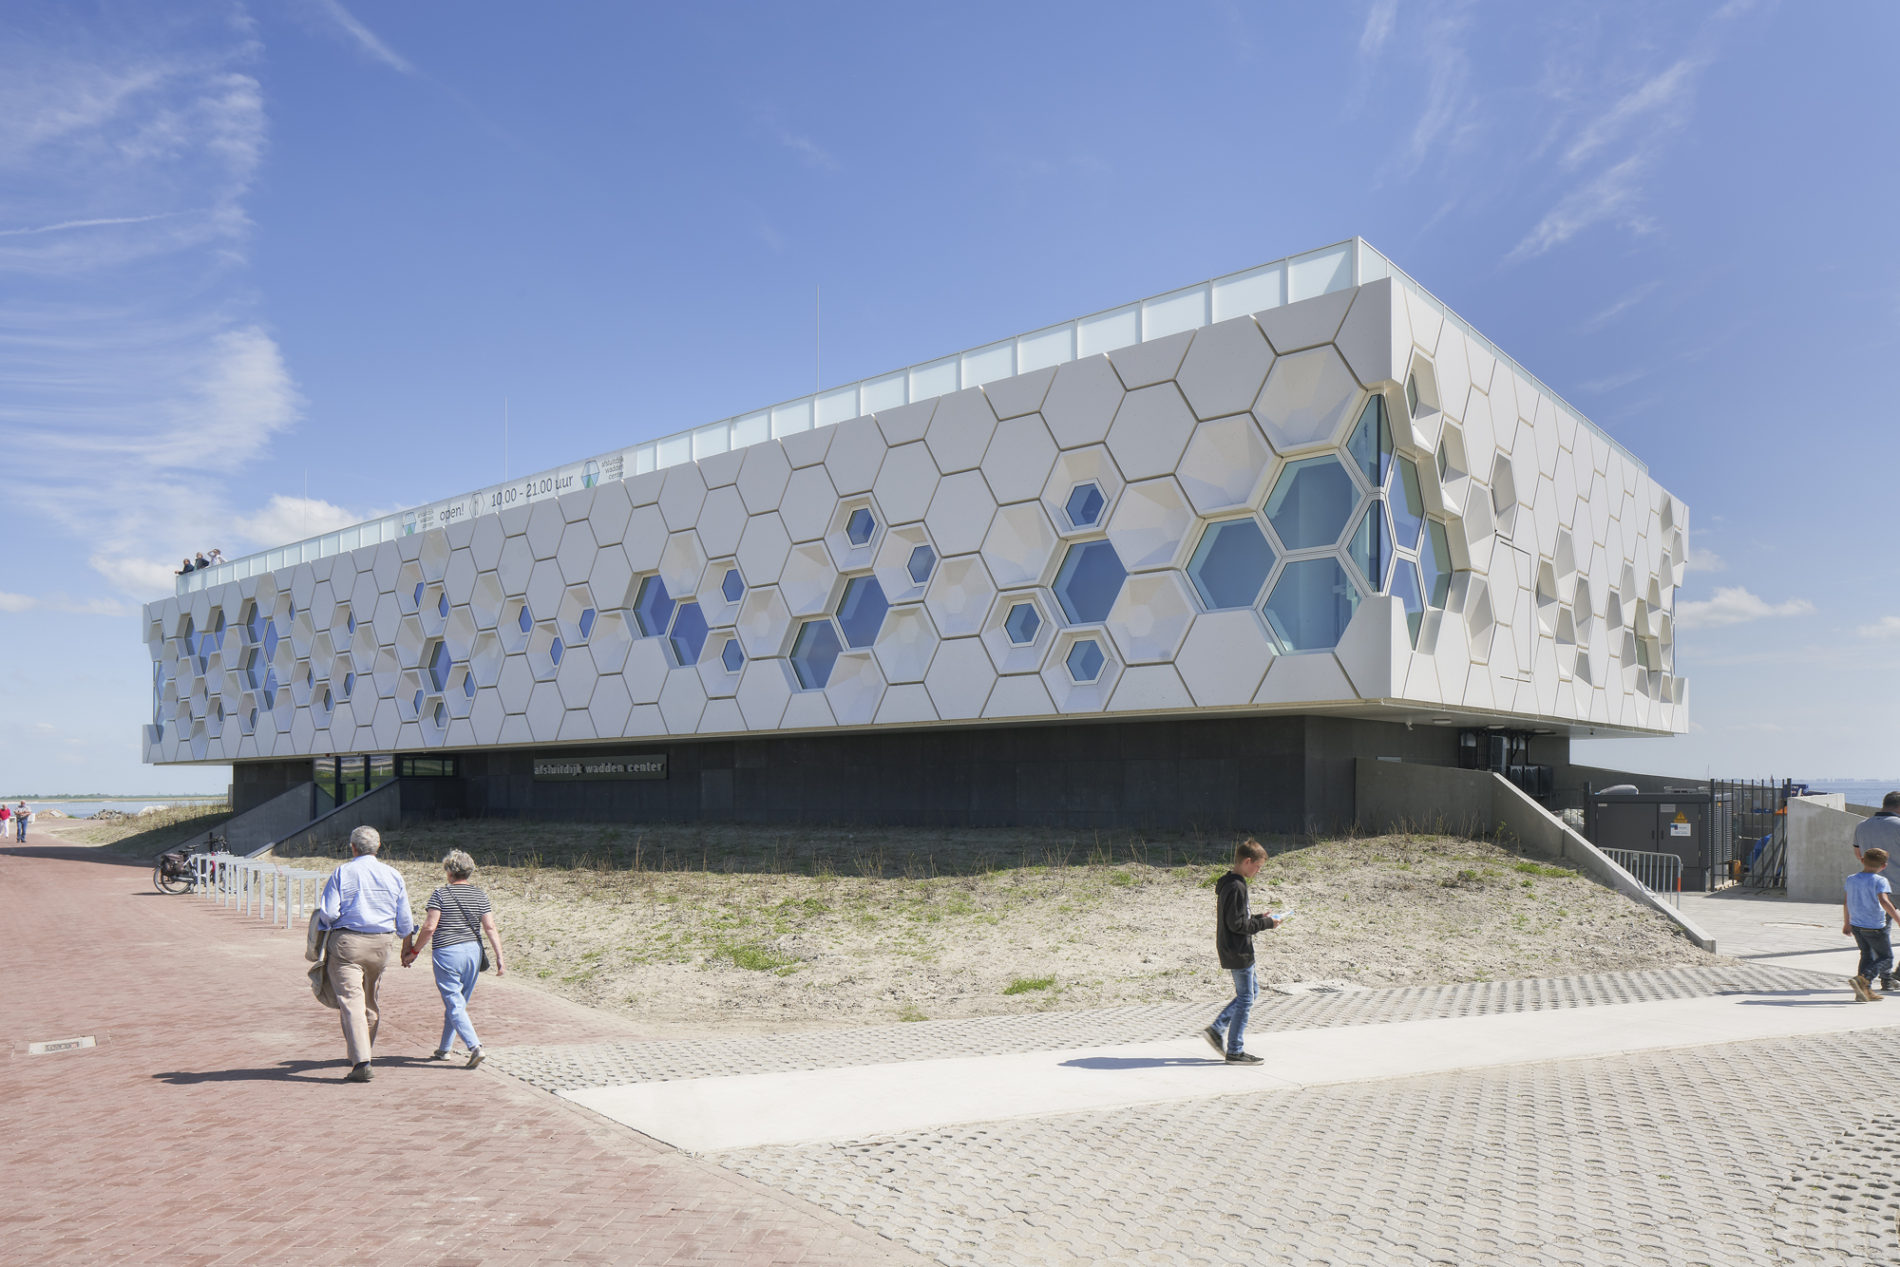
pixel 1172 562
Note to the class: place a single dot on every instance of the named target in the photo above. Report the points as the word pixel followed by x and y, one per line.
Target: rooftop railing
pixel 1340 266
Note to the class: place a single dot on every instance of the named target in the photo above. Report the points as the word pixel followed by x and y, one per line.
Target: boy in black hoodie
pixel 1234 928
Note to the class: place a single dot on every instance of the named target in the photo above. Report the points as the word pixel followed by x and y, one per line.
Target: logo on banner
pixel 590 474
pixel 408 523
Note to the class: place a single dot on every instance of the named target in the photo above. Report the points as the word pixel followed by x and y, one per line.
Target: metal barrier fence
pixel 251 886
pixel 1660 873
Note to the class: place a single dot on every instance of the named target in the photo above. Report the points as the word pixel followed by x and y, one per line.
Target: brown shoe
pixel 1862 990
pixel 359 1074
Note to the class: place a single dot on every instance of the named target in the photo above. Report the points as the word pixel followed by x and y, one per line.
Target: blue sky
pixel 247 250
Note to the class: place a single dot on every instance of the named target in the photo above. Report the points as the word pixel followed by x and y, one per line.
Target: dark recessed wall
pixel 1265 774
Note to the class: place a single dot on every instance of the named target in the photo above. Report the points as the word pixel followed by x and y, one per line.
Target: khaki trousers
pixel 357 961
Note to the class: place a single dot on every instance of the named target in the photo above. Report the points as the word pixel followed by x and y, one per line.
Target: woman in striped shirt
pixel 458 916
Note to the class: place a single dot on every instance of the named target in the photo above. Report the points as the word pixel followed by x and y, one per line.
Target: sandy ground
pixel 762 949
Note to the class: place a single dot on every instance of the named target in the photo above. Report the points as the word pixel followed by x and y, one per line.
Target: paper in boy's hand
pixel 1281 915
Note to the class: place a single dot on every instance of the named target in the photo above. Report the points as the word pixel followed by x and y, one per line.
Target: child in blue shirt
pixel 1867 912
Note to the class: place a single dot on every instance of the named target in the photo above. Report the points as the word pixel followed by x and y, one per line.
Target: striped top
pixel 462 907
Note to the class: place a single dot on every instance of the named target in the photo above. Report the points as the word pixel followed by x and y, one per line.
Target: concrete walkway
pixel 208 1124
pixel 1766 927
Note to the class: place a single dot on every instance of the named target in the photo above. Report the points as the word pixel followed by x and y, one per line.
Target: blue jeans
pixel 1232 1020
pixel 456 969
pixel 1876 952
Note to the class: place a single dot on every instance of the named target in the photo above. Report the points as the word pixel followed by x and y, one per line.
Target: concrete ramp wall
pixel 1820 847
pixel 1395 796
pixel 261 824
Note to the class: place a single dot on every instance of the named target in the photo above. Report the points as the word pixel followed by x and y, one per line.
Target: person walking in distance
pixel 457 916
pixel 21 817
pixel 363 903
pixel 1234 927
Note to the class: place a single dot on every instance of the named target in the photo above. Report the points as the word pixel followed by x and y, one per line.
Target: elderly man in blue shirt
pixel 363 903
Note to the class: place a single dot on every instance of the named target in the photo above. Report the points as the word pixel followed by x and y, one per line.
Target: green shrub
pixel 1023 985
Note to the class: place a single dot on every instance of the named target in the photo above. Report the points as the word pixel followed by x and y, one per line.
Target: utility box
pixel 1681 823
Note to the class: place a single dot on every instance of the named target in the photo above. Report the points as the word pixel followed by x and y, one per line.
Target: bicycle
pixel 172 871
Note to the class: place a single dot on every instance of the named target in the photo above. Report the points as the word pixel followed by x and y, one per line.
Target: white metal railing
pixel 1660 873
pixel 1340 266
pixel 251 886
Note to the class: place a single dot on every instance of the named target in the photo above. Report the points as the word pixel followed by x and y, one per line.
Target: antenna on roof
pixel 504 438
pixel 817 338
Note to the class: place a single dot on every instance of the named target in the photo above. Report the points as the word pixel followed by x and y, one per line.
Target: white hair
pixel 366 840
pixel 458 864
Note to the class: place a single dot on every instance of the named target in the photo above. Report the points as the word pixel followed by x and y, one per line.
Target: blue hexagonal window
pixel 1370 548
pixel 468 686
pixel 349 684
pixel 732 655
pixel 415 704
pixel 1089 582
pixel 440 663
pixel 1408 505
pixel 861 610
pixel 586 622
pixel 1230 566
pixel 733 586
pixel 1371 442
pixel 556 649
pixel 652 607
pixel 350 622
pixel 328 705
pixel 251 662
pixel 1311 604
pixel 1310 502
pixel 217 632
pixel 1022 624
pixel 270 640
pixel 417 600
pixel 814 652
pixel 1406 589
pixel 269 691
pixel 689 633
pixel 921 561
pixel 254 625
pixel 526 619
pixel 250 720
pixel 859 527
pixel 1084 506
pixel 1435 559
pixel 442 605
pixel 1085 660
pixel 441 715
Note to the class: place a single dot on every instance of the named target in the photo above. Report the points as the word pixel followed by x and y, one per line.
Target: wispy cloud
pixel 1618 145
pixel 14 603
pixel 365 39
pixel 808 151
pixel 1735 605
pixel 1701 560
pixel 1621 306
pixel 1378 28
pixel 1610 382
pixel 1447 109
pixel 94 223
pixel 1885 627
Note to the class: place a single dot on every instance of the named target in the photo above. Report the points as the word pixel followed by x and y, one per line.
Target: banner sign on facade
pixel 569 769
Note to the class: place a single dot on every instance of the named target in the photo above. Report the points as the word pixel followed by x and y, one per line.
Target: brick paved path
pixel 209 1125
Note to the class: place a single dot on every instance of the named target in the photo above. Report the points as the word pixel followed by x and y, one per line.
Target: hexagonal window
pixel 415 702
pixel 920 564
pixel 442 606
pixel 216 633
pixel 586 622
pixel 859 527
pixel 1406 589
pixel 1084 507
pixel 1085 660
pixel 251 661
pixel 1435 559
pixel 652 607
pixel 1408 505
pixel 733 586
pixel 732 655
pixel 814 652
pixel 689 633
pixel 1411 392
pixel 350 622
pixel 1310 502
pixel 416 600
pixel 1370 548
pixel 441 715
pixel 525 620
pixel 349 684
pixel 328 704
pixel 1230 566
pixel 269 689
pixel 861 610
pixel 1371 442
pixel 254 624
pixel 270 640
pixel 556 649
pixel 1022 624
pixel 468 686
pixel 438 662
pixel 1089 582
pixel 1311 605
